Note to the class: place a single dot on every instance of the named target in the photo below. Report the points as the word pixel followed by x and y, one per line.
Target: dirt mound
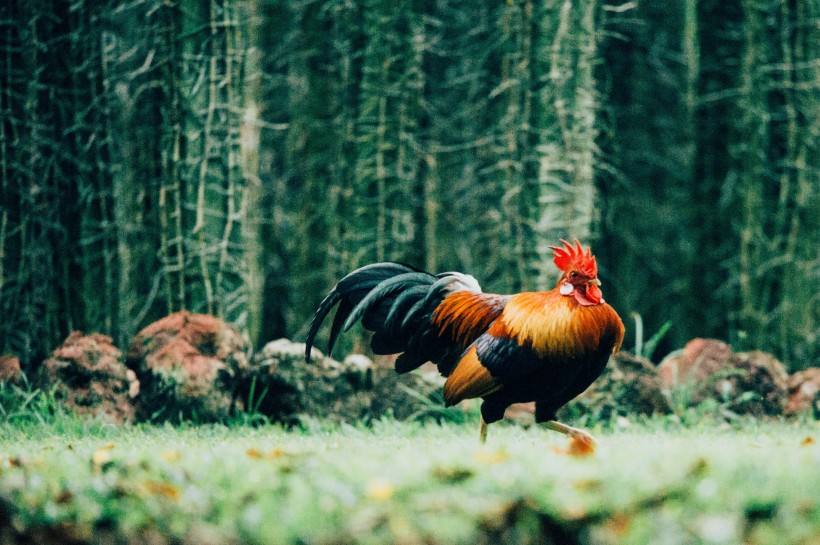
pixel 9 368
pixel 90 378
pixel 804 392
pixel 747 383
pixel 285 387
pixel 699 359
pixel 628 386
pixel 188 365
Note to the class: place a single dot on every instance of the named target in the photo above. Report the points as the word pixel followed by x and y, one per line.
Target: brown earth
pixel 88 375
pixel 9 368
pixel 746 383
pixel 189 365
pixel 804 392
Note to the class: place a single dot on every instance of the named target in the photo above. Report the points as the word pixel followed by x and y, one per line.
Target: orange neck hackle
pixel 553 324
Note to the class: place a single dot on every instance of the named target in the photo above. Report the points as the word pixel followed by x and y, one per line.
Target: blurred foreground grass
pixel 83 482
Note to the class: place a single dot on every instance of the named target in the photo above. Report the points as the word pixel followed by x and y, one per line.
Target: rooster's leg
pixel 482 431
pixel 575 433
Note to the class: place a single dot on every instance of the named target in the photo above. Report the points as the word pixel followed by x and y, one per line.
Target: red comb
pixel 576 258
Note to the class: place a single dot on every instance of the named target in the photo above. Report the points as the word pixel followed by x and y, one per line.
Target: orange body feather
pixel 470 379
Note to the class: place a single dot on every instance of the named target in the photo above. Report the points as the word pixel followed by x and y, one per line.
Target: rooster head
pixel 580 276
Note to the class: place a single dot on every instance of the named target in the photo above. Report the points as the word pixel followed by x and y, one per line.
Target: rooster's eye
pixel 573 274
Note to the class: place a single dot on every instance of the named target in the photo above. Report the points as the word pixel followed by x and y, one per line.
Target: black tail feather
pixel 384 289
pixel 396 302
pixel 325 306
pixel 345 308
pixel 349 292
pixel 401 304
pixel 415 313
pixel 421 348
pixel 346 294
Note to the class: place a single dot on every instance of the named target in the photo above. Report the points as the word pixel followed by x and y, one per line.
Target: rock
pixel 745 383
pixel 628 386
pixel 416 395
pixel 189 366
pixel 699 359
pixel 286 388
pixel 764 376
pixel 88 375
pixel 282 386
pixel 9 368
pixel 804 392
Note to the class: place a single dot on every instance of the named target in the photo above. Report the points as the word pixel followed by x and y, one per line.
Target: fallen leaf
pixel 699 468
pixel 102 456
pixel 270 455
pixel 618 524
pixel 379 489
pixel 163 489
pixel 588 484
pixel 64 497
pixel 494 457
pixel 171 456
pixel 453 474
pixel 808 441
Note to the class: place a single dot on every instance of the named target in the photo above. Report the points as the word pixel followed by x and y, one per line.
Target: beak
pixel 594 282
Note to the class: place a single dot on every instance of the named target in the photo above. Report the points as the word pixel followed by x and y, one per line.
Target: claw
pixel 581 443
pixel 583 437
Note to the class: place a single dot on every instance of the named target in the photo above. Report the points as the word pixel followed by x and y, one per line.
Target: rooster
pixel 545 347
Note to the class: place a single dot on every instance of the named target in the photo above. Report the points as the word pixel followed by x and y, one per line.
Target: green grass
pixel 656 482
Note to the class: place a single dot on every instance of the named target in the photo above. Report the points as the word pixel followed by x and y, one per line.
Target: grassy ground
pixel 408 483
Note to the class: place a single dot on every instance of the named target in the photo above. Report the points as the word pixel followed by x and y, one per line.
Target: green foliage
pixel 22 402
pixel 239 156
pixel 431 407
pixel 411 483
pixel 645 349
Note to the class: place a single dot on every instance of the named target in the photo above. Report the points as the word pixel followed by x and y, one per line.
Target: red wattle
pixel 592 296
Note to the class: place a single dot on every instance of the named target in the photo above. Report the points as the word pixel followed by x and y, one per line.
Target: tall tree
pixel 316 71
pixel 774 170
pixel 564 124
pixel 385 205
pixel 462 196
pixel 657 189
pixel 51 162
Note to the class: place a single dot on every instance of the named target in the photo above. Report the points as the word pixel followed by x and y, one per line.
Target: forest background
pixel 237 157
